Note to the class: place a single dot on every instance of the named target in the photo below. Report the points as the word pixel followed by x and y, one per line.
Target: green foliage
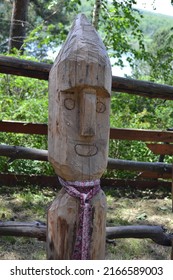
pixel 24 99
pixel 158 39
pixel 121 27
pixel 131 111
pixel 49 23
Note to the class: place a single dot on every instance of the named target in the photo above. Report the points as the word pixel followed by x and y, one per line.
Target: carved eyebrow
pixel 65 94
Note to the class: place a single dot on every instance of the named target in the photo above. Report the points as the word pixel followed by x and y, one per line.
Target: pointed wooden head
pixel 79 101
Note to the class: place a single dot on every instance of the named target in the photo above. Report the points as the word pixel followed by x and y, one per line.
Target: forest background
pixel 35 30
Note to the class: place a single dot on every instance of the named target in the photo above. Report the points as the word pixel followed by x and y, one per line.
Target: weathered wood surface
pixel 63 217
pixel 79 103
pixel 142 88
pixel 18 152
pixel 156 233
pixel 161 149
pixel 37 70
pixel 30 229
pixel 26 68
pixel 78 140
pixel 38 230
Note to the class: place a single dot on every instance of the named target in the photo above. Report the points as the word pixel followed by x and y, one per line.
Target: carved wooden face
pixel 78 134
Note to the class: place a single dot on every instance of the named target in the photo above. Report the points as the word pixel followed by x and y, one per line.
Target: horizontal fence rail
pixel 12 180
pixel 38 230
pixel 115 133
pixel 18 152
pixel 23 127
pixel 27 68
pixel 14 66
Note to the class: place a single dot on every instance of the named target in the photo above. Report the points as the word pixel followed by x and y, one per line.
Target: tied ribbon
pixel 85 191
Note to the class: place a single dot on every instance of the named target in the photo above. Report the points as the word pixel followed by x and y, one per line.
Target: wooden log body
pixel 63 223
pixel 78 135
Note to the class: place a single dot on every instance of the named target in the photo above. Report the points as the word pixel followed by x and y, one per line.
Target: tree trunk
pixel 18 25
pixel 96 12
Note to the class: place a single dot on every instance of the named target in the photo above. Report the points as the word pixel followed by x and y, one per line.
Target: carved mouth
pixel 86 150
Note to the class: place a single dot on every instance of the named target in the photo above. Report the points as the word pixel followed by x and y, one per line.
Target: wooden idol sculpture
pixel 78 133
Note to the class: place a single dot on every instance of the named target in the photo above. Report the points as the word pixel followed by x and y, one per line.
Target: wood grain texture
pixel 83 60
pixel 78 136
pixel 26 68
pixel 63 223
pixel 79 105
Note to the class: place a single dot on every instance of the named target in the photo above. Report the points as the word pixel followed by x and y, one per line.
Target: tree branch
pixel 96 12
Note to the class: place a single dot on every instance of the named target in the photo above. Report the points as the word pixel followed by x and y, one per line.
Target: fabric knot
pixel 84 191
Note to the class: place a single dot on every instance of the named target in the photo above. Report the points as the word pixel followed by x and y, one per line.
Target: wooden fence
pixel 156 170
pixel 37 70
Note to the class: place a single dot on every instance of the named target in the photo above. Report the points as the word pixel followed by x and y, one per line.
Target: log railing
pixel 38 230
pixel 115 133
pixel 27 68
pixel 14 66
pixel 9 65
pixel 18 152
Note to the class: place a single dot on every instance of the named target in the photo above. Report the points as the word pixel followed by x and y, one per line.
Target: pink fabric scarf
pixel 85 191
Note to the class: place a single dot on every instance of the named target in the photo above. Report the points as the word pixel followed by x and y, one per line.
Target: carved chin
pixel 86 150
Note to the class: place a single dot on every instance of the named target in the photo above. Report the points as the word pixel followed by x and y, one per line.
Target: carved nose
pixel 88 113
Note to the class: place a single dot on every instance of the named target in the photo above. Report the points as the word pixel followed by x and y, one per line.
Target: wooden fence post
pixel 172 189
pixel 78 133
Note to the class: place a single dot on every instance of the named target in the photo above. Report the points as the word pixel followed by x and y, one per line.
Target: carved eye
pixel 100 107
pixel 69 103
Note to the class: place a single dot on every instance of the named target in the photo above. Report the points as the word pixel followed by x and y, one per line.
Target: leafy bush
pixel 24 99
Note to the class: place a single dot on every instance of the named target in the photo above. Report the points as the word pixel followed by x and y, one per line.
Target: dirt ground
pixel 125 207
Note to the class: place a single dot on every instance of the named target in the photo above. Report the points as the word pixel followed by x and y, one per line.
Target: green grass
pixel 125 207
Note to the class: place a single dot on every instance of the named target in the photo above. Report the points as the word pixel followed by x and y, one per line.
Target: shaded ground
pixel 125 207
